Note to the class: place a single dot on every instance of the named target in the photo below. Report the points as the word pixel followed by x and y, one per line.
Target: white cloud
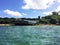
pixel 50 12
pixel 24 14
pixel 12 13
pixel 37 4
pixel 58 8
pixel 47 13
pixel 0 16
pixel 58 1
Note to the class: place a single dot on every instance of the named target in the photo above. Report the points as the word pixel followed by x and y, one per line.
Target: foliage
pixel 54 18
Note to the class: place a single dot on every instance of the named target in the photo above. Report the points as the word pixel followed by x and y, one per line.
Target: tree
pixel 38 17
pixel 54 13
pixel 53 21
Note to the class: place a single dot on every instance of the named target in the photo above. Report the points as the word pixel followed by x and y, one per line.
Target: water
pixel 29 35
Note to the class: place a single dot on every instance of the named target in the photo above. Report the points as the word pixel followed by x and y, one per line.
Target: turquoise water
pixel 29 35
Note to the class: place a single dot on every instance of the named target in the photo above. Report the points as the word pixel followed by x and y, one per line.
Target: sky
pixel 28 8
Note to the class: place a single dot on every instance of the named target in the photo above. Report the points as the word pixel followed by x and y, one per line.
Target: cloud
pixel 12 13
pixel 50 12
pixel 37 4
pixel 58 8
pixel 24 14
pixel 0 16
pixel 58 1
pixel 47 13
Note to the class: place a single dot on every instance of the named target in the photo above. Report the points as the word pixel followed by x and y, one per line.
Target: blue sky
pixel 28 8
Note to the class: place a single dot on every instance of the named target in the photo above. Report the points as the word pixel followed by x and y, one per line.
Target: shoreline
pixel 47 25
pixel 6 24
pixel 30 25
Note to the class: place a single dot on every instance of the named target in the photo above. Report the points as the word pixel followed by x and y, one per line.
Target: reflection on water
pixel 30 35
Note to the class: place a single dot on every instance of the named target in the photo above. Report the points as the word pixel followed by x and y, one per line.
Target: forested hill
pixel 53 18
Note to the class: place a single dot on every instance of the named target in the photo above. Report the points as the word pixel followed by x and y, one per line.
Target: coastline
pixel 30 25
pixel 47 25
pixel 6 24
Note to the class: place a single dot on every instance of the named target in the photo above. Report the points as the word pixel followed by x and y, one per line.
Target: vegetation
pixel 54 18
